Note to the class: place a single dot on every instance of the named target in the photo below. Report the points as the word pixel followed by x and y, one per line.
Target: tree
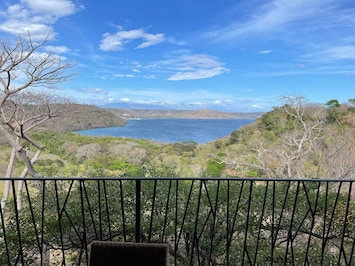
pixel 308 128
pixel 24 72
pixel 332 104
pixel 296 132
pixel 351 108
pixel 334 111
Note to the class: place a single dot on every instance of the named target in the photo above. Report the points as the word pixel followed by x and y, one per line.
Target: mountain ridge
pixel 193 114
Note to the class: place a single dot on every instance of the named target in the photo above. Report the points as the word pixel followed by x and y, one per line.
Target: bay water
pixel 172 130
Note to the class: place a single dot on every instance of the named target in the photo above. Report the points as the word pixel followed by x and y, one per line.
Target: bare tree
pixel 308 125
pixel 286 155
pixel 24 70
pixel 25 111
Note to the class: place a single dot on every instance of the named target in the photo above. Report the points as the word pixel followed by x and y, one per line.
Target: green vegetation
pixel 297 139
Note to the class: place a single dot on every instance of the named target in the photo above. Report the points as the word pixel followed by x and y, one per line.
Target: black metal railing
pixel 204 221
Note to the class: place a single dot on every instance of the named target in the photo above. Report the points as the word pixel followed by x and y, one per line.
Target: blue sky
pixel 191 54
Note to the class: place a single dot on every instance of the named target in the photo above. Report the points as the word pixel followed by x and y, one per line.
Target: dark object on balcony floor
pixel 107 253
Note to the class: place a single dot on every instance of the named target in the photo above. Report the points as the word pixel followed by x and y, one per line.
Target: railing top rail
pixel 179 178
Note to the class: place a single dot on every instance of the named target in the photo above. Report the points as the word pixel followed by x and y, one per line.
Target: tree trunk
pixel 21 151
pixel 20 182
pixel 8 182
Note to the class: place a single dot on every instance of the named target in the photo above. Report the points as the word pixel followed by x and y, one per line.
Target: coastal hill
pixel 90 116
pixel 82 116
pixel 197 114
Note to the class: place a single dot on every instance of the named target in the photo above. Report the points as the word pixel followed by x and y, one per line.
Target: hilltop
pixel 83 116
pixel 199 114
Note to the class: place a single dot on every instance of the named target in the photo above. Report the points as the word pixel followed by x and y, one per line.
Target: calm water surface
pixel 173 130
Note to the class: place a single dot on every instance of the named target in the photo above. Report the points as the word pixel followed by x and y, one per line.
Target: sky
pixel 222 55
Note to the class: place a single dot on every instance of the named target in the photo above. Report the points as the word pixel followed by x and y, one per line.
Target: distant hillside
pixel 202 114
pixel 85 117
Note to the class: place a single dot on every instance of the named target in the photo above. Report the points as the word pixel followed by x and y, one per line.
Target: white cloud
pixel 21 27
pixel 342 52
pixel 265 52
pixel 151 39
pixel 196 103
pixel 124 75
pixel 126 100
pixel 280 12
pixel 223 102
pixel 285 17
pixel 152 102
pixel 16 11
pixel 35 16
pixel 174 41
pixel 198 66
pixel 196 74
pixel 57 49
pixel 116 42
pixel 169 95
pixel 95 91
pixel 177 65
pixel 57 8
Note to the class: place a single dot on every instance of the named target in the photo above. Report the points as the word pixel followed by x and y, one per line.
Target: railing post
pixel 138 210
